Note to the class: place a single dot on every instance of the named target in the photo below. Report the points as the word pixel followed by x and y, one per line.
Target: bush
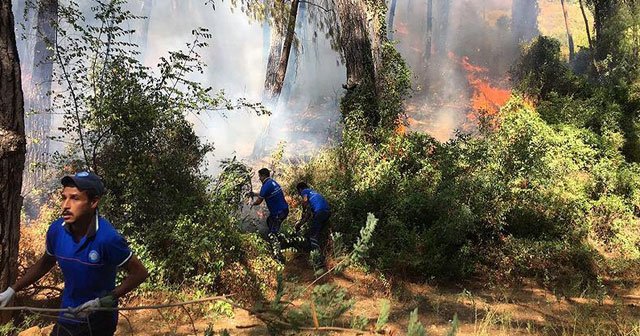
pixel 528 188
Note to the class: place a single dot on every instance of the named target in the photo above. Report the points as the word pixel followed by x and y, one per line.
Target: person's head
pixel 80 196
pixel 263 174
pixel 301 186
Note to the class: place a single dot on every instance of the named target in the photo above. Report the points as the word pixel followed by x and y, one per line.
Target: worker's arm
pixel 306 212
pixel 35 272
pixel 136 274
pixel 258 201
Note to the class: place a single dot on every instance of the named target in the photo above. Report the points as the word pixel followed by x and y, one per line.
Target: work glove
pixel 85 309
pixel 6 296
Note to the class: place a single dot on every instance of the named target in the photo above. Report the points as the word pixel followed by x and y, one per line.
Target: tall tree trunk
pixel 361 45
pixel 286 51
pixel 441 31
pixel 524 20
pixel 355 42
pixel 277 63
pixel 392 16
pixel 588 30
pixel 586 24
pixel 12 149
pixel 429 36
pixel 604 12
pixel 295 54
pixel 37 99
pixel 569 36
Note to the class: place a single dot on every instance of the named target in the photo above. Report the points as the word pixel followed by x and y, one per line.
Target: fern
pixel 383 318
pixel 455 325
pixel 362 245
pixel 415 327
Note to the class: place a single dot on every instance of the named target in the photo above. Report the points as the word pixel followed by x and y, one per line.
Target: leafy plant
pixel 415 328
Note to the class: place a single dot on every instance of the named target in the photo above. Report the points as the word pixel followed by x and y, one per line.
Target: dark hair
pixel 302 186
pixel 264 172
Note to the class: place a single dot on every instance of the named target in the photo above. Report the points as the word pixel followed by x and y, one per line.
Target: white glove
pixel 6 296
pixel 85 309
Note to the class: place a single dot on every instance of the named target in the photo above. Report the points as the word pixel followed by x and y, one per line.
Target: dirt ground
pixel 479 309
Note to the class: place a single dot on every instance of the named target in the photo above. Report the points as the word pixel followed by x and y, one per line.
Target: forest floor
pixel 481 310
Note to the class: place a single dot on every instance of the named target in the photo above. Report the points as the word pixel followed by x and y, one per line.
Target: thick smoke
pixel 236 60
pixel 478 30
pixel 307 115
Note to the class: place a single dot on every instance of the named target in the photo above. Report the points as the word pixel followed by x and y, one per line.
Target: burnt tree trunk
pixel 440 35
pixel 569 36
pixel 12 149
pixel 429 37
pixel 37 99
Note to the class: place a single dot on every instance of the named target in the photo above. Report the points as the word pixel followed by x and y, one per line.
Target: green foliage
pixel 415 328
pixel 330 303
pixel 129 125
pixel 455 325
pixel 362 245
pixel 383 317
pixel 541 70
pixel 359 322
pixel 507 203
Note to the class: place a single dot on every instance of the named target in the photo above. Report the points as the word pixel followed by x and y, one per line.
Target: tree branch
pixel 316 5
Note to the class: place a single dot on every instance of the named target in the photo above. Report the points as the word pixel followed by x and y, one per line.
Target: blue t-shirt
pixel 274 196
pixel 89 266
pixel 316 201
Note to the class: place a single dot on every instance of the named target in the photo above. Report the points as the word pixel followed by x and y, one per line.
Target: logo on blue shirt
pixel 94 256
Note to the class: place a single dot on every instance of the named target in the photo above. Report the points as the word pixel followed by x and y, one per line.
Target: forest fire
pixel 486 99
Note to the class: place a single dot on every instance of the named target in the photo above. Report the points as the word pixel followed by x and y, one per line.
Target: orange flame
pixel 486 99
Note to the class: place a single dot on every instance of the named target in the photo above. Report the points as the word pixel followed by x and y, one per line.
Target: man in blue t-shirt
pixel 272 194
pixel 317 212
pixel 89 252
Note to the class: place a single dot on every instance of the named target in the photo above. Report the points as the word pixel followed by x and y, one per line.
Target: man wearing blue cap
pixel 89 252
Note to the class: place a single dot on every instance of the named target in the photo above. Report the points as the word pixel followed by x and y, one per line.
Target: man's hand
pixel 6 296
pixel 85 309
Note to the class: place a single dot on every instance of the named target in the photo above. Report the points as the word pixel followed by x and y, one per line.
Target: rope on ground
pixel 324 274
pixel 70 310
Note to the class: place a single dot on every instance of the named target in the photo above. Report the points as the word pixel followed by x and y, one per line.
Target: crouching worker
pixel 316 212
pixel 272 193
pixel 89 252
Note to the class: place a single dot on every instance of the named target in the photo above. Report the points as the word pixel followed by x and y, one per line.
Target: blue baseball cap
pixel 85 180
